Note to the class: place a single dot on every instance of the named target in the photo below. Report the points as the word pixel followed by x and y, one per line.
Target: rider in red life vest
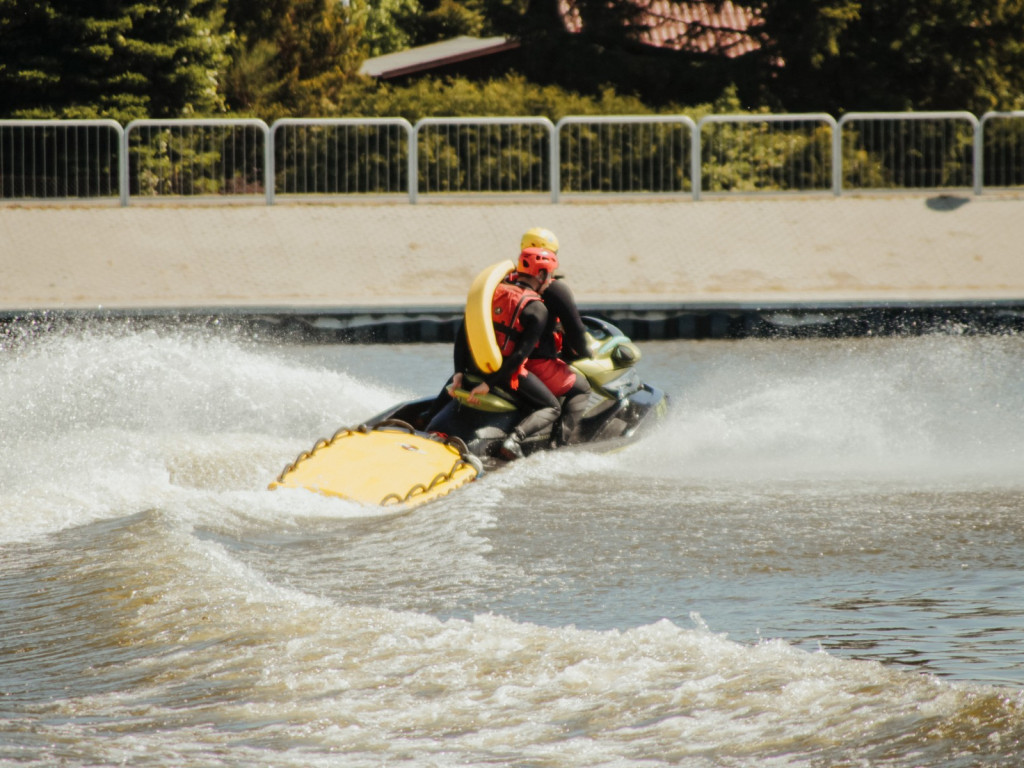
pixel 519 317
pixel 564 338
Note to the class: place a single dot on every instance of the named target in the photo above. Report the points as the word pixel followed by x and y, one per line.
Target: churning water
pixel 814 562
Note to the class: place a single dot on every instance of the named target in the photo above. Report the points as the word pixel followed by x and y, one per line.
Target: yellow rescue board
pixel 383 466
pixel 479 323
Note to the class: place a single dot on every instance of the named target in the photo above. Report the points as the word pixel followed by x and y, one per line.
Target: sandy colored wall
pixel 776 249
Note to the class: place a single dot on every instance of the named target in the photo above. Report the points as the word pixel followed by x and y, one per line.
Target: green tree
pixel 393 25
pixel 108 58
pixel 291 57
pixel 444 19
pixel 845 55
pixel 387 25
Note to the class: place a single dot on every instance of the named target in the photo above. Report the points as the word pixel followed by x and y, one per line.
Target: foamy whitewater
pixel 814 562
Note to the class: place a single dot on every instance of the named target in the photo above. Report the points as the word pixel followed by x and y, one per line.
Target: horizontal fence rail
pixel 351 159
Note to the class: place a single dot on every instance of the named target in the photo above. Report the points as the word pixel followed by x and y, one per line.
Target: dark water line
pixel 642 321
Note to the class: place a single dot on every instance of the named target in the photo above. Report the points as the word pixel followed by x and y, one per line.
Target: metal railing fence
pixel 912 150
pixel 623 155
pixel 758 153
pixel 316 157
pixel 63 159
pixel 480 155
pixel 445 158
pixel 999 147
pixel 195 158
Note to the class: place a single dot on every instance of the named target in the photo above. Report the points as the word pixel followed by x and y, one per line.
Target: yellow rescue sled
pixel 389 464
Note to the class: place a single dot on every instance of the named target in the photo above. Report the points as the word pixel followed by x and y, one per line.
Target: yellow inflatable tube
pixel 479 323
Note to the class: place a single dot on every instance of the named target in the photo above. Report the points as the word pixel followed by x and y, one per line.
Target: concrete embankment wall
pixel 799 252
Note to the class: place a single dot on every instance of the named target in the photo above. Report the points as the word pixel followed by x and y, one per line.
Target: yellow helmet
pixel 538 237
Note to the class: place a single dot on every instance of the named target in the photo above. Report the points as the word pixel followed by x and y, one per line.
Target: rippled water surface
pixel 814 562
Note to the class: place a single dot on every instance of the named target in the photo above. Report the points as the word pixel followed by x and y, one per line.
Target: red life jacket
pixel 510 298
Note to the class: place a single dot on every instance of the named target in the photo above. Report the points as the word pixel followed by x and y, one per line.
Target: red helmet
pixel 533 261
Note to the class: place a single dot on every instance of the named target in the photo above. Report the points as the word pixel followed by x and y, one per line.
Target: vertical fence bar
pixel 270 171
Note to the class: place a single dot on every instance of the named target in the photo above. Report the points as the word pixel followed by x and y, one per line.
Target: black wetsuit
pixel 562 311
pixel 532 391
pixel 561 304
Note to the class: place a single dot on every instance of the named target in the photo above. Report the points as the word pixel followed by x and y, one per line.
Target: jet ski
pixel 620 404
pixel 394 460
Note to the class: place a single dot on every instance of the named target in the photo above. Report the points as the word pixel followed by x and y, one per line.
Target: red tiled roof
pixel 693 26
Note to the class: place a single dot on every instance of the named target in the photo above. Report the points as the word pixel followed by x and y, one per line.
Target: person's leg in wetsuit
pixel 427 415
pixel 546 410
pixel 573 408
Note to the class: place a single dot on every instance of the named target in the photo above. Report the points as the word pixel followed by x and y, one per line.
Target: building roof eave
pixel 427 57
